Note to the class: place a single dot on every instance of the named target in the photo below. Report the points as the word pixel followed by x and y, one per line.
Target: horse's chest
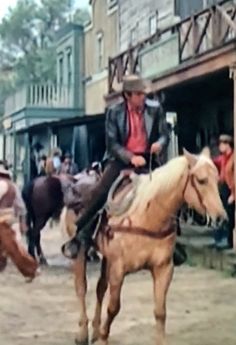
pixel 136 252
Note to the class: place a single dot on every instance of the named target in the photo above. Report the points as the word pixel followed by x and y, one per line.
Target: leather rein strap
pixel 110 230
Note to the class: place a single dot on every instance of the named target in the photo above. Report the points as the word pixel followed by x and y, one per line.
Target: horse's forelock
pixel 202 160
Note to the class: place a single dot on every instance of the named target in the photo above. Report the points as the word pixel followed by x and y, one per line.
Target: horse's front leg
pixel 81 290
pixel 116 278
pixel 101 290
pixel 162 277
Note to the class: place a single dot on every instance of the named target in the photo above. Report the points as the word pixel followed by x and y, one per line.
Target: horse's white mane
pixel 163 179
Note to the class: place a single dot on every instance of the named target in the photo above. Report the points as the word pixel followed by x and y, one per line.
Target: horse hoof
pixel 43 261
pixel 95 337
pixel 103 342
pixel 82 342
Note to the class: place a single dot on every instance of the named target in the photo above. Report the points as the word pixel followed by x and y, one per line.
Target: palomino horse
pixel 144 238
pixel 10 240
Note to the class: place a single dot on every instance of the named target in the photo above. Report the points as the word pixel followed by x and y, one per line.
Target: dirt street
pixel 201 306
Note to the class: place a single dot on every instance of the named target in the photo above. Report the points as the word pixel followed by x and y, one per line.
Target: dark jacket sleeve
pixel 114 148
pixel 163 131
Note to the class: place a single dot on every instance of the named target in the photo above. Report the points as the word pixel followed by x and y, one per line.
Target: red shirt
pixel 137 140
pixel 221 162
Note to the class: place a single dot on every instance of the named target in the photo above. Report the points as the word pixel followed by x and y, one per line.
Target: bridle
pixel 192 180
pixel 169 229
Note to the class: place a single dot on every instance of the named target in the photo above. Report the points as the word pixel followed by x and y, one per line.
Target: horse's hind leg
pixel 42 259
pixel 34 237
pixel 81 290
pixel 101 290
pixel 116 278
pixel 162 277
pixel 31 242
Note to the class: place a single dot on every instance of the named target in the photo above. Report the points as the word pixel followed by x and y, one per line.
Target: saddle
pixel 122 193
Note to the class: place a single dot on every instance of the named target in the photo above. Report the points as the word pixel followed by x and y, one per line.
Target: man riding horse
pixel 134 132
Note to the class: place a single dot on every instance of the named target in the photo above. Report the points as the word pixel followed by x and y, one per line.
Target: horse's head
pixel 201 191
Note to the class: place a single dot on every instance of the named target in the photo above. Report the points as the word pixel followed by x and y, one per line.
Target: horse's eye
pixel 202 181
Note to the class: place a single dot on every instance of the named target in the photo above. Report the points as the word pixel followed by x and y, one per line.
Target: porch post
pixel 14 156
pixel 233 76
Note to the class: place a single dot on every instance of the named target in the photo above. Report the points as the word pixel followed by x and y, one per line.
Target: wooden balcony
pixel 194 37
pixel 40 96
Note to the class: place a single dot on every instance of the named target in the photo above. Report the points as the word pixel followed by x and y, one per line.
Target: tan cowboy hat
pixel 226 138
pixel 134 83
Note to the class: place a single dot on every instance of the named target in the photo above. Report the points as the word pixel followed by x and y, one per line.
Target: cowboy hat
pixel 134 83
pixel 226 138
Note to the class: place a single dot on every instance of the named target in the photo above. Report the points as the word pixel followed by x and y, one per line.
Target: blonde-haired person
pixel 53 163
pixel 225 164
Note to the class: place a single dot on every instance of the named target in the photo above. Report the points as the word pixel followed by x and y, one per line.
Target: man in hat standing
pixel 134 131
pixel 68 166
pixel 225 165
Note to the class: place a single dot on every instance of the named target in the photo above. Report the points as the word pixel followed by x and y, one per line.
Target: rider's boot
pixel 71 248
pixel 82 238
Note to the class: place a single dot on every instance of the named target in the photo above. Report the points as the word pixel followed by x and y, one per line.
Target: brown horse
pixel 144 238
pixel 45 198
pixel 10 240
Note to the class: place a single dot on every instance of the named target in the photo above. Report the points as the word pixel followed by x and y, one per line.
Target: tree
pixel 81 16
pixel 27 34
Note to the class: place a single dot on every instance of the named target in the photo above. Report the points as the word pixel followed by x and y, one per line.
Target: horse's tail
pixel 68 222
pixel 27 193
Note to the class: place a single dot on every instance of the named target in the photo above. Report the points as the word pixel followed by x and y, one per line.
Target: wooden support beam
pixel 204 30
pixel 195 34
pixel 227 18
pixel 185 40
pixel 227 30
pixel 233 76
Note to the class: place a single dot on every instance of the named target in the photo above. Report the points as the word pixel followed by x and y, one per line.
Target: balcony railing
pixel 207 30
pixel 45 95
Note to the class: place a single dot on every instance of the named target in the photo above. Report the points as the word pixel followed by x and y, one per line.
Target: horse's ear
pixel 206 152
pixel 192 159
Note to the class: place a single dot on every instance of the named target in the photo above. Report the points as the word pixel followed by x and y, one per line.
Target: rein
pixel 135 230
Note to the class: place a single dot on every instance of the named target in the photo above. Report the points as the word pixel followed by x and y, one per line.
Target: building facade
pixel 101 42
pixel 31 114
pixel 188 61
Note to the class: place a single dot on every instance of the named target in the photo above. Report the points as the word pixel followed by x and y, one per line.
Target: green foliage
pixel 27 37
pixel 81 16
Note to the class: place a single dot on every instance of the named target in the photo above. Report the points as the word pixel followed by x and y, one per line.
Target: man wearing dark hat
pixel 225 165
pixel 68 166
pixel 134 131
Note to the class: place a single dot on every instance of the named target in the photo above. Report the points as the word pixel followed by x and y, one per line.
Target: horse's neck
pixel 170 196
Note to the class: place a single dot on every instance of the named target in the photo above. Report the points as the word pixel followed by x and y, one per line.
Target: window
pixel 153 24
pixel 61 70
pixel 69 67
pixel 185 8
pixel 100 51
pixel 111 3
